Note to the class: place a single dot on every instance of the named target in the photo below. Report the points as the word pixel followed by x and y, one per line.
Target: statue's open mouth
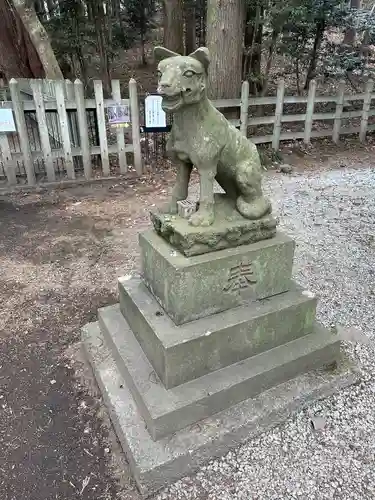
pixel 171 101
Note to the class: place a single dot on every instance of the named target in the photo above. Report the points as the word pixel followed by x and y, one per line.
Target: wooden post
pixel 116 96
pixel 64 127
pixel 83 128
pixel 22 131
pixel 98 89
pixel 72 117
pixel 136 134
pixel 365 110
pixel 69 90
pixel 338 113
pixel 244 117
pixel 278 115
pixel 309 111
pixel 9 163
pixel 36 86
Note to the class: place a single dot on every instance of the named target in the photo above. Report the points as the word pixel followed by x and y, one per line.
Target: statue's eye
pixel 189 73
pixel 159 74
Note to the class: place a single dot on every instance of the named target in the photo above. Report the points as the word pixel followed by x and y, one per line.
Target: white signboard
pixel 7 121
pixel 155 116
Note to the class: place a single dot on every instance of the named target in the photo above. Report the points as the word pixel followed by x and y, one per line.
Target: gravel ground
pixel 328 451
pixel 60 254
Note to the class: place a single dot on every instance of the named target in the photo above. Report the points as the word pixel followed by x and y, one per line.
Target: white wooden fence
pixel 64 97
pixel 307 133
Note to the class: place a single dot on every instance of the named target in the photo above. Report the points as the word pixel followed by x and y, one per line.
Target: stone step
pixel 155 464
pixel 167 411
pixel 195 287
pixel 189 351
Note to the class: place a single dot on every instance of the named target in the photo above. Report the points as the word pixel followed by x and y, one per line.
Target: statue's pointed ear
pixel 203 56
pixel 161 53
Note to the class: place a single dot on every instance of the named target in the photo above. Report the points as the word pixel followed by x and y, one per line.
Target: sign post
pixel 7 125
pixel 155 117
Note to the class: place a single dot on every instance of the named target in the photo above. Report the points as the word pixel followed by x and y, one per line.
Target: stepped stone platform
pixel 205 351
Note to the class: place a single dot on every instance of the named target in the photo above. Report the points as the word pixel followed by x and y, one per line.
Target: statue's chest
pixel 193 145
pixel 182 149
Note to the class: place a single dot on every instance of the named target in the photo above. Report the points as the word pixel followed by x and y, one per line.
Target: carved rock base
pixel 229 230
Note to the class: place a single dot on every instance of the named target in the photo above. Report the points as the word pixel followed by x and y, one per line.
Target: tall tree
pixel 225 31
pixel 349 37
pixel 139 15
pixel 39 38
pixel 18 57
pixel 173 25
pixel 70 35
pixel 98 16
pixel 253 44
pixel 190 25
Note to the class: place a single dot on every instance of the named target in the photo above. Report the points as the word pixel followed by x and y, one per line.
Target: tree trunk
pixel 252 58
pixel 200 22
pixel 18 57
pixel 51 7
pixel 173 25
pixel 271 52
pixel 190 26
pixel 40 9
pixel 350 34
pixel 311 72
pixel 117 11
pixel 225 23
pixel 97 16
pixel 39 38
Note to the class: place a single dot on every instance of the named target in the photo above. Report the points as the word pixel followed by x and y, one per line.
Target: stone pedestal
pixel 205 351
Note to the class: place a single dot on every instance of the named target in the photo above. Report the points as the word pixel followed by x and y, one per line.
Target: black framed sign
pixel 155 117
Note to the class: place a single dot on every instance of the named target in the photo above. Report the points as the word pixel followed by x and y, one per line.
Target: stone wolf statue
pixel 201 136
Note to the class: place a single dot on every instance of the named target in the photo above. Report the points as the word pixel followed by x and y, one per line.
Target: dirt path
pixel 60 255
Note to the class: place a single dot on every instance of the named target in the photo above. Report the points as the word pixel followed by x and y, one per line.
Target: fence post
pixel 69 90
pixel 83 128
pixel 136 134
pixel 244 117
pixel 9 163
pixel 338 113
pixel 278 115
pixel 36 86
pixel 365 110
pixel 116 96
pixel 98 89
pixel 22 131
pixel 309 112
pixel 64 126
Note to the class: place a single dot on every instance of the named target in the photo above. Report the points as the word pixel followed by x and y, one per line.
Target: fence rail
pixel 341 100
pixel 65 113
pixel 57 125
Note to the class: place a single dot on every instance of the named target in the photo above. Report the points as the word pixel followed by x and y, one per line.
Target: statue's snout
pixel 165 85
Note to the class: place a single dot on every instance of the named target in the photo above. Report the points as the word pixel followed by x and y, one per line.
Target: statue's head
pixel 182 79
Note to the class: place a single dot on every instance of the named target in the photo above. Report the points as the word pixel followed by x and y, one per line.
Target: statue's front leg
pixel 180 189
pixel 205 215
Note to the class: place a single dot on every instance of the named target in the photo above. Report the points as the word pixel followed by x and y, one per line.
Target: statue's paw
pixel 169 208
pixel 202 218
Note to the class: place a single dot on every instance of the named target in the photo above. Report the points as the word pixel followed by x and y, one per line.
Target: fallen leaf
pixel 85 482
pixel 318 423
